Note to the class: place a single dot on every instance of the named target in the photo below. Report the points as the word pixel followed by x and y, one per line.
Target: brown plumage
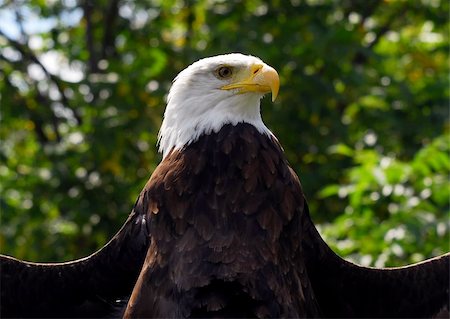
pixel 255 252
pixel 87 287
pixel 221 229
pixel 224 253
pixel 238 253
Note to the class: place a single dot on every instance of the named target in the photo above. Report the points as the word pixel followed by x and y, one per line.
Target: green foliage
pixel 362 114
pixel 394 209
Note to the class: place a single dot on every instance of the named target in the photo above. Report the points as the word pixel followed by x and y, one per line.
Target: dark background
pixel 363 114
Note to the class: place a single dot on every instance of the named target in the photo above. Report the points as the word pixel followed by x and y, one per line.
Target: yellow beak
pixel 259 78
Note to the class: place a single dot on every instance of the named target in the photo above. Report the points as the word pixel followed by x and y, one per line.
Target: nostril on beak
pixel 256 69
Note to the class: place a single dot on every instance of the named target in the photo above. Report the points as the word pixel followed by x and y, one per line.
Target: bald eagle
pixel 221 229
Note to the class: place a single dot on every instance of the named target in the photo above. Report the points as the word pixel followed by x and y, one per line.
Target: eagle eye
pixel 224 72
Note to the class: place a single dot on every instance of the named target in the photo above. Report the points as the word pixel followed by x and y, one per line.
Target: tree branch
pixel 108 46
pixel 34 116
pixel 92 63
pixel 19 20
pixel 27 53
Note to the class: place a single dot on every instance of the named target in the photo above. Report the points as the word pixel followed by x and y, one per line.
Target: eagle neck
pixel 184 125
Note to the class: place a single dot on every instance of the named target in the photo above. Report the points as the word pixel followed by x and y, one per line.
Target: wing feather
pixel 89 286
pixel 345 290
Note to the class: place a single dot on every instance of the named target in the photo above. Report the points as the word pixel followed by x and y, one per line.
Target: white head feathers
pixel 198 102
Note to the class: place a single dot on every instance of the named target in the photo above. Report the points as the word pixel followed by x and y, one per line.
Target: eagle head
pixel 212 92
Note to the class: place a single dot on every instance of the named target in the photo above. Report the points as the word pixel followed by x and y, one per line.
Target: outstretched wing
pixel 87 287
pixel 344 289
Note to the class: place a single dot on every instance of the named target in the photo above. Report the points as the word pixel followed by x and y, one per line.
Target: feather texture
pixel 216 245
pixel 240 237
pixel 94 286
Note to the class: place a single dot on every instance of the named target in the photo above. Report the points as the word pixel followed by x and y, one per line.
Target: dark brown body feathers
pixel 225 232
pixel 232 220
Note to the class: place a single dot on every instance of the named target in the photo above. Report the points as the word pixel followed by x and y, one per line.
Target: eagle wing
pixel 345 290
pixel 91 286
pixel 87 287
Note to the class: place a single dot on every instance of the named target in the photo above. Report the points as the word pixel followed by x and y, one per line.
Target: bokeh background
pixel 363 114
